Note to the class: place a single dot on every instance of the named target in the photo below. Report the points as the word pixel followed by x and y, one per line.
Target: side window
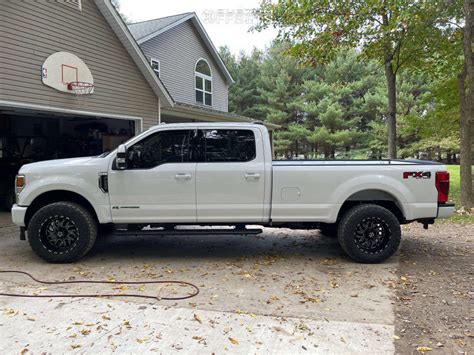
pixel 203 83
pixel 229 145
pixel 155 65
pixel 159 148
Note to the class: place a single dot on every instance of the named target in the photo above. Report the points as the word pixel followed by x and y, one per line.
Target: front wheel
pixel 369 233
pixel 62 232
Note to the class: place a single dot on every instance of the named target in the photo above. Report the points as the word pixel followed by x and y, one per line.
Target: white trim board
pixel 22 105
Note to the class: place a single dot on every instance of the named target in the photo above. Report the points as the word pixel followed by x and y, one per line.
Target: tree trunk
pixel 465 130
pixel 392 109
pixel 467 103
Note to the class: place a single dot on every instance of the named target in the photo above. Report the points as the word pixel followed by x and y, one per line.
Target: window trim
pixel 157 72
pixel 203 90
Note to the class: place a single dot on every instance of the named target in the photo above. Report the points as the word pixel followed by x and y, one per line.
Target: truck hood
pixel 48 165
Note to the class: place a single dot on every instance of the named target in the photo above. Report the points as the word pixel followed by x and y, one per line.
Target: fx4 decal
pixel 417 174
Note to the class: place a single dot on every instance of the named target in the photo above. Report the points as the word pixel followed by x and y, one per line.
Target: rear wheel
pixel 62 232
pixel 369 233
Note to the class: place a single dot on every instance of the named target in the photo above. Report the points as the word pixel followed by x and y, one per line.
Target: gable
pixel 147 30
pixel 178 51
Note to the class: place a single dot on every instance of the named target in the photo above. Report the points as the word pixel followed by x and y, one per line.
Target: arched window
pixel 203 82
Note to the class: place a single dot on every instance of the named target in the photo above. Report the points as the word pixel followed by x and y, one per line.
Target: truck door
pixel 230 176
pixel 159 183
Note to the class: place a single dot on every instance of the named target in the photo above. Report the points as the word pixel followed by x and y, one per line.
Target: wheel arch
pixel 376 196
pixel 52 196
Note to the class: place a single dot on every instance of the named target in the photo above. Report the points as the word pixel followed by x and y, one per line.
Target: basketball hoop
pixel 80 87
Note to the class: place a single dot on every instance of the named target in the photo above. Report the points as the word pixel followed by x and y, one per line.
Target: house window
pixel 203 83
pixel 155 65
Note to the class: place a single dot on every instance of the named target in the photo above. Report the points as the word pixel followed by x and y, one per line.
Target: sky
pixel 226 22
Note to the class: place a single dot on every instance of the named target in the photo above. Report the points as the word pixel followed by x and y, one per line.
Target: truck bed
pixel 353 162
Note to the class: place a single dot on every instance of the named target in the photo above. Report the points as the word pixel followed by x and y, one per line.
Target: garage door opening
pixel 27 137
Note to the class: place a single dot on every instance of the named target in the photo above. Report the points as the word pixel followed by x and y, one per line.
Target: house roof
pixel 142 29
pixel 134 50
pixel 146 30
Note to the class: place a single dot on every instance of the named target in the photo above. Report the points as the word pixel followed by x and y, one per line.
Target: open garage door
pixel 28 136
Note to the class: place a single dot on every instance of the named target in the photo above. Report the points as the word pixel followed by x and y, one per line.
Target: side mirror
pixel 121 160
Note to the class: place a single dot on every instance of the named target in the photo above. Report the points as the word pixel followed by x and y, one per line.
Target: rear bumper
pixel 18 215
pixel 445 210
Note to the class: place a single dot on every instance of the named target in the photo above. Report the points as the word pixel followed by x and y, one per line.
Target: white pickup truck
pixel 173 176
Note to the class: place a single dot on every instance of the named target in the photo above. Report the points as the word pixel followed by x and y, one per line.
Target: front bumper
pixel 18 215
pixel 445 210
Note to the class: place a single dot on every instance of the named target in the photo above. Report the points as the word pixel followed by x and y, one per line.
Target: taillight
pixel 442 185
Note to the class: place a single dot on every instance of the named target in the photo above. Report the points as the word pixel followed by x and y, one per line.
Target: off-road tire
pixel 84 222
pixel 354 218
pixel 328 229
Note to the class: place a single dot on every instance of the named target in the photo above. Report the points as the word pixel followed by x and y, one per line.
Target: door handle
pixel 182 176
pixel 252 176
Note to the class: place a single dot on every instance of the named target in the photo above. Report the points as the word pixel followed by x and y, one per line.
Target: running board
pixel 208 231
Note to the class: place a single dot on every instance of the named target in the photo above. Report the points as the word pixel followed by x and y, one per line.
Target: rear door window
pixel 228 145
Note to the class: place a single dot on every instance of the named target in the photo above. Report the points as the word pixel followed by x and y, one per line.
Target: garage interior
pixel 28 136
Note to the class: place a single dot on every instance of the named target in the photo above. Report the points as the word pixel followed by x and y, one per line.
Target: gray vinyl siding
pixel 31 31
pixel 178 50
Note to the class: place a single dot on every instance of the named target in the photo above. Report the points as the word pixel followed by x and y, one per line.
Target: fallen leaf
pixel 234 341
pixel 30 318
pixel 423 348
pixel 105 317
pixel 23 351
pixel 75 346
pixel 197 318
pixel 8 312
pixel 142 340
pixel 85 331
pixel 253 315
pixel 396 337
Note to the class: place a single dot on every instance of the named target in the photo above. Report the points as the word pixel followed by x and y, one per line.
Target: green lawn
pixel 454 195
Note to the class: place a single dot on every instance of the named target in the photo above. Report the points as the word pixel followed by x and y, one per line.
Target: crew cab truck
pixel 173 176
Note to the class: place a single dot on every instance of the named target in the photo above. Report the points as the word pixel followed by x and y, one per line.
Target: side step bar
pixel 189 231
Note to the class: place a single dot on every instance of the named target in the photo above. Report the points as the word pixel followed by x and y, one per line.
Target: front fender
pixel 86 189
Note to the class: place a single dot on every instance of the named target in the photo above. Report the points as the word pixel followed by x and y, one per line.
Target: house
pixel 75 81
pixel 163 70
pixel 184 58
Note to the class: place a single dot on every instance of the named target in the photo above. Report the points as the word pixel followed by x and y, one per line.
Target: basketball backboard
pixel 61 69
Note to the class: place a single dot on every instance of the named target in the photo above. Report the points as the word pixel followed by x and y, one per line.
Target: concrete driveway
pixel 280 292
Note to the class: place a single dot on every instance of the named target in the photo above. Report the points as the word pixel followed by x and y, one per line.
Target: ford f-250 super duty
pixel 173 176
